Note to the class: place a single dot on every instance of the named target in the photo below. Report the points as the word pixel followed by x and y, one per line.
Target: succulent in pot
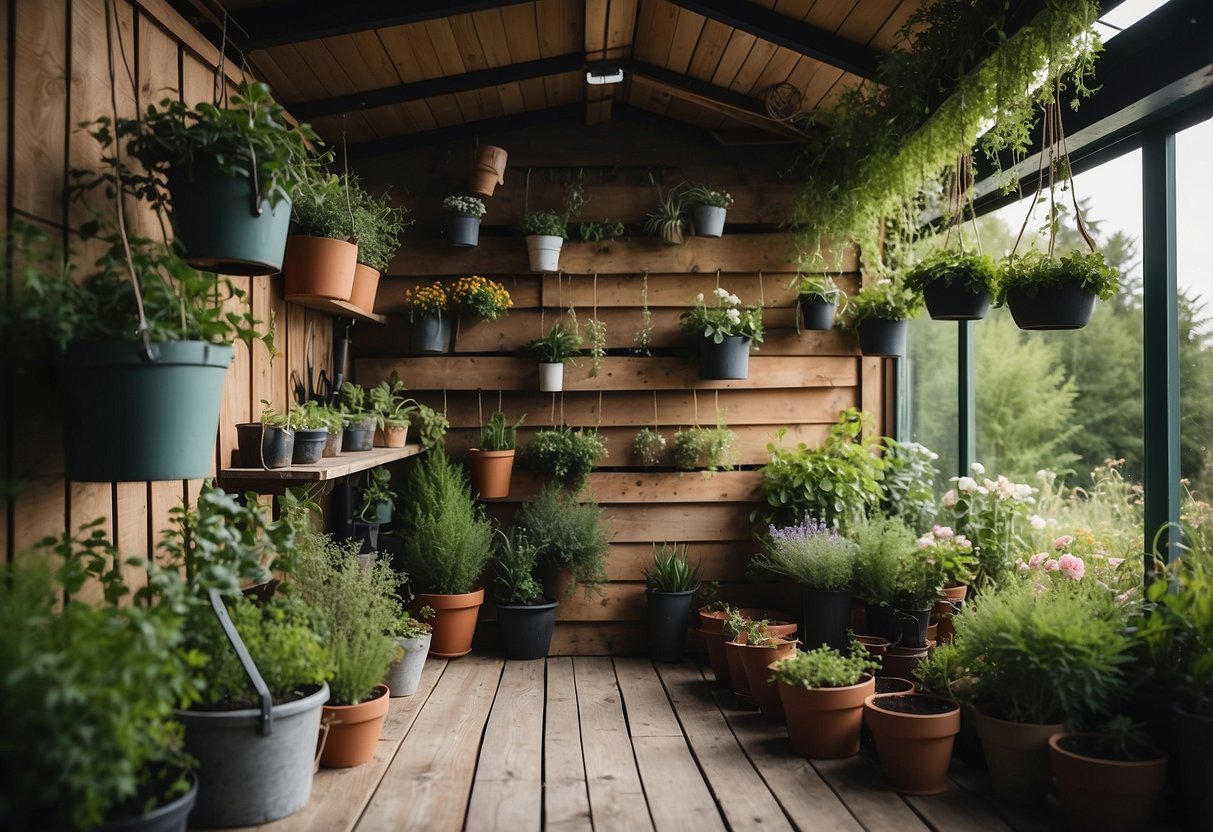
pixel 878 314
pixel 726 330
pixel 463 220
pixel 955 284
pixel 670 584
pixel 1047 292
pixel 526 618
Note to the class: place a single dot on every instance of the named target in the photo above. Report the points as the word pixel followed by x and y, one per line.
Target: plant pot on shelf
pixel 1051 307
pixel 708 220
pixel 404 675
pixel 880 337
pixel 525 630
pixel 825 618
pixel 491 472
pixel 359 435
pixel 817 313
pixel 823 723
pixel 172 816
pixel 393 436
pixel 1018 756
pixel 462 231
pixel 265 447
pixel 319 267
pixel 365 288
pixel 127 419
pixel 1097 792
pixel 309 446
pixel 488 170
pixel 551 377
pixel 333 444
pixel 220 230
pixel 353 730
pixel 913 733
pixel 669 616
pixel 454 621
pixel 756 664
pixel 544 252
pixel 1194 759
pixel 730 359
pixel 429 334
pixel 953 300
pixel 246 777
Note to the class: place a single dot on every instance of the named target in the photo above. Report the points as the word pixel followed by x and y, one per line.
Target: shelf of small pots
pixel 817 300
pixel 670 584
pixel 394 412
pixel 822 692
pixel 545 233
pixel 429 324
pixel 488 169
pixel 270 443
pixel 553 350
pixel 526 618
pixel 879 314
pixel 709 208
pixel 360 421
pixel 491 465
pixel 955 284
pixel 1048 293
pixel 724 331
pixel 413 636
pixel 463 215
pixel 765 634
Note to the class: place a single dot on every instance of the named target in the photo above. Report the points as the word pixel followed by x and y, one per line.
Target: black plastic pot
pixel 429 334
pixel 359 436
pixel 882 623
pixel 880 337
pixel 526 631
pixel 463 231
pixel 817 313
pixel 953 300
pixel 729 359
pixel 265 447
pixel 912 627
pixel 825 618
pixel 171 817
pixel 1051 307
pixel 669 615
pixel 368 534
pixel 1194 759
pixel 309 446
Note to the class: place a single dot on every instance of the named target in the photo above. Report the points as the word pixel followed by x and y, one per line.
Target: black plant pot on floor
pixel 882 623
pixel 1051 307
pixel 526 630
pixel 880 337
pixel 912 627
pixel 669 616
pixel 172 816
pixel 954 301
pixel 825 618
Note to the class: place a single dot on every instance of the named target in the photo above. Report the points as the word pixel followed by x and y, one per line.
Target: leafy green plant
pixel 547 223
pixel 322 206
pixel 467 206
pixel 571 533
pixel 313 415
pixel 975 272
pixel 389 404
pixel 593 231
pixel 516 556
pixel 354 401
pixel 648 447
pixel 565 454
pixel 709 449
pixel 557 347
pixel 701 193
pixel 810 553
pixel 667 221
pixel 1034 270
pixel 671 571
pixel 919 580
pixel 447 540
pixel 884 543
pixel 377 489
pixel 377 226
pixel 408 626
pixel 754 632
pixel 825 667
pixel 725 318
pixel 644 336
pixel 909 482
pixel 496 435
pixel 888 300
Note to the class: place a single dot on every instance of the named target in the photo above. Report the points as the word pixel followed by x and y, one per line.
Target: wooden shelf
pixel 329 468
pixel 341 308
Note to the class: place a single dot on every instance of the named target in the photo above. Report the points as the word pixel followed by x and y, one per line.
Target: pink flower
pixel 1063 542
pixel 1071 566
pixel 925 541
pixel 1020 565
pixel 943 532
pixel 1037 560
pixel 949 499
pixel 1051 565
pixel 1115 562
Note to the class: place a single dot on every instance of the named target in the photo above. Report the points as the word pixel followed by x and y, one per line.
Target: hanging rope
pixel 479 407
pixel 695 404
pixel 656 423
pixel 762 298
pixel 598 424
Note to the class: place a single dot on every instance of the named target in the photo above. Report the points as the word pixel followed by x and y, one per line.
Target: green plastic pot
pixel 220 231
pixel 127 419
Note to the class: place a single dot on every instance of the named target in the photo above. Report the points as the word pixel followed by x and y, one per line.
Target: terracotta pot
pixel 741 682
pixel 875 645
pixel 319 267
pixel 353 730
pixel 714 641
pixel 953 598
pixel 366 286
pixel 901 661
pixel 714 620
pixel 894 685
pixel 754 664
pixel 1109 795
pixel 392 436
pixel 823 723
pixel 933 633
pixel 454 621
pixel 914 734
pixel 488 170
pixel 491 472
pixel 1018 756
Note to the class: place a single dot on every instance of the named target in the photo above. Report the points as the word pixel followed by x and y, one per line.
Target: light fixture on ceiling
pixel 603 73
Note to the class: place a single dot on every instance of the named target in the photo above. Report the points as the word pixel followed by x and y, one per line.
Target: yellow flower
pixel 430 300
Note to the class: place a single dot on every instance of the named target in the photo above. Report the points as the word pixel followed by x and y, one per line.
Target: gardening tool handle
pixel 266 726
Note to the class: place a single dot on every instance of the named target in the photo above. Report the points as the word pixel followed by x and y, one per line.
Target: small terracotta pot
pixel 319 267
pixel 454 622
pixel 366 286
pixel 714 620
pixel 1109 795
pixel 488 170
pixel 737 675
pixel 1018 756
pixel 932 633
pixel 490 472
pixel 714 641
pixel 754 664
pixel 353 730
pixel 823 723
pixel 914 734
pixel 392 436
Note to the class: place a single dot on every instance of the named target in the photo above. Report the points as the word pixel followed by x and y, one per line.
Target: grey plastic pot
pixel 265 447
pixel 245 777
pixel 171 817
pixel 404 675
pixel 463 231
pixel 359 436
pixel 309 446
pixel 708 220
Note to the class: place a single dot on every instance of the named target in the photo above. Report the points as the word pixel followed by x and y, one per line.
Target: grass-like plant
pixel 572 535
pixel 814 555
pixel 516 556
pixel 671 571
pixel 884 543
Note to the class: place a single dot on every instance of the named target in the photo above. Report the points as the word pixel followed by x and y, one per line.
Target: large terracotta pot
pixel 319 267
pixel 741 682
pixel 823 723
pixel 754 664
pixel 1018 756
pixel 366 286
pixel 491 472
pixel 488 170
pixel 454 621
pixel 914 734
pixel 1109 795
pixel 353 730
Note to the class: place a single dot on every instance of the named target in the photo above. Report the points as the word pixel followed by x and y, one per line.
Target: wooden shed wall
pixel 55 75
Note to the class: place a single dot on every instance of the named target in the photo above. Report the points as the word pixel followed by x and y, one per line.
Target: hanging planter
pixel 709 208
pixel 309 445
pixel 429 334
pixel 491 472
pixel 883 338
pixel 726 359
pixel 817 313
pixel 914 733
pixel 1050 307
pixel 319 267
pixel 553 350
pixel 543 252
pixel 488 170
pixel 463 220
pixel 879 315
pixel 222 227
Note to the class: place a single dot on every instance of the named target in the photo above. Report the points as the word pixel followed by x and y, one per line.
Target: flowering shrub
pixel 723 319
pixel 426 300
pixel 704 194
pixel 811 553
pixel 993 515
pixel 950 555
pixel 468 206
pixel 480 296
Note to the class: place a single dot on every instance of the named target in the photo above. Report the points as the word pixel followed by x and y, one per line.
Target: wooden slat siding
pixel 508 789
pixel 744 798
pixel 621 602
pixel 131 528
pixel 859 785
pixel 444 738
pixel 667 768
pixel 674 291
pixel 717 561
pixel 616 797
pixel 566 802
pixel 624 488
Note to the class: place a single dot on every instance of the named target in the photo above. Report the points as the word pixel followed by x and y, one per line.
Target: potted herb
pixel 919 586
pixel 566 455
pixel 492 463
pixel 479 296
pixel 488 170
pixel 756 644
pixel 545 234
pixel 914 734
pixel 360 421
pixel 429 327
pixel 706 449
pixel 333 421
pixel 1045 292
pixel 376 502
pixel 526 618
pixel 725 332
pixel 670 584
pixel 312 421
pixel 413 636
pixel 817 299
pixel 574 542
pixel 463 220
pixel 956 284
pixel 715 630
pixel 648 447
pixel 823 562
pixel 823 691
pixel 447 542
pixel 269 443
pixel 394 412
pixel 377 224
pixel 708 208
pixel 320 257
pixel 227 174
pixel 552 351
pixel 884 543
pixel 879 315
pixel 667 221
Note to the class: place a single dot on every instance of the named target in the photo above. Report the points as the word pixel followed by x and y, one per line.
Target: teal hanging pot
pixel 221 230
pixel 128 419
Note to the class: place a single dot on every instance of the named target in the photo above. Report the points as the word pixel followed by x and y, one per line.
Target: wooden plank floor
pixel 614 744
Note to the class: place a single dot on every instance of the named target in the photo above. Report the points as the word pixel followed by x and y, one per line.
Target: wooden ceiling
pixel 390 74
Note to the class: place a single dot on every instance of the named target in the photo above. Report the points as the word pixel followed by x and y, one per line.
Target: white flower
pixel 699 298
pixel 733 315
pixel 1037 522
pixel 733 300
pixel 966 484
pixel 977 468
pixel 949 499
pixel 721 292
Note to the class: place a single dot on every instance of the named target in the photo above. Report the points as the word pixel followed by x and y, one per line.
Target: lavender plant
pixel 811 553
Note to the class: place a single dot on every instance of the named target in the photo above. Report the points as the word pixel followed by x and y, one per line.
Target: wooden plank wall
pixel 797 381
pixel 56 77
